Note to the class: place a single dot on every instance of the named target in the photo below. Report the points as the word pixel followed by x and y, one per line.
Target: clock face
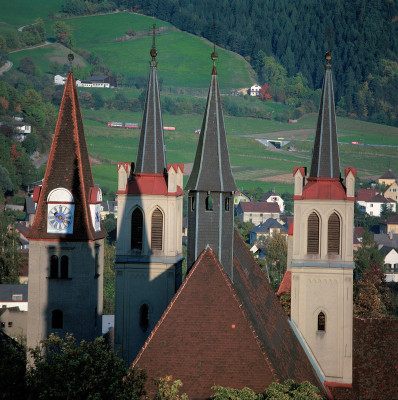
pixel 60 218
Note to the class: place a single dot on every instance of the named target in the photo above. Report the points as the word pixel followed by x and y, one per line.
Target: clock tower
pixel 66 240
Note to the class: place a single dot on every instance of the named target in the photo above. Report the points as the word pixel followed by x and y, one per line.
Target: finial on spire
pixel 328 55
pixel 153 51
pixel 71 57
pixel 214 55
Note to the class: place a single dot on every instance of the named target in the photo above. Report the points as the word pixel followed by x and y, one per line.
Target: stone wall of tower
pixel 145 277
pixel 322 283
pixel 79 296
pixel 211 227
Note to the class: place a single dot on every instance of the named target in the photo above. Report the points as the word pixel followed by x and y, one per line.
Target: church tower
pixel 322 260
pixel 211 187
pixel 66 240
pixel 149 231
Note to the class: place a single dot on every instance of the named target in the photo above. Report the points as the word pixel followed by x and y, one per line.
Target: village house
pixel 260 233
pixel 272 197
pixel 255 90
pixel 376 204
pixel 390 225
pixel 390 263
pixel 257 212
pixel 392 192
pixel 388 178
pixel 241 196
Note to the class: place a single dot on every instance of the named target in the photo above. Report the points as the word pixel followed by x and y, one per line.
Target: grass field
pixel 24 12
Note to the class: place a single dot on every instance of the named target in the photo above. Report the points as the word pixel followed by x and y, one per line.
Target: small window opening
pixel 136 229
pixel 96 264
pixel 54 267
pixel 10 324
pixel 144 317
pixel 227 200
pixel 321 321
pixel 209 203
pixel 64 266
pixel 57 319
pixel 192 202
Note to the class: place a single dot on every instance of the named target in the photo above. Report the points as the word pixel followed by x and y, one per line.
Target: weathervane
pixel 214 55
pixel 153 51
pixel 71 57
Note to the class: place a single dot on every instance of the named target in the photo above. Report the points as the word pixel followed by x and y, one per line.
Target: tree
pixel 63 369
pixel 225 393
pixel 167 391
pixel 276 259
pixel 62 32
pixel 27 65
pixel 371 295
pixel 264 92
pixel 367 254
pixel 291 390
pixel 10 257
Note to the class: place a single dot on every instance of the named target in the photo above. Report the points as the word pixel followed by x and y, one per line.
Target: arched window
pixel 334 234
pixel 209 203
pixel 64 266
pixel 313 234
pixel 54 267
pixel 144 317
pixel 227 202
pixel 57 319
pixel 157 230
pixel 136 229
pixel 321 321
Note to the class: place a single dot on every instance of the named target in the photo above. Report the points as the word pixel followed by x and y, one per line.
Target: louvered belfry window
pixel 157 230
pixel 136 229
pixel 313 234
pixel 334 234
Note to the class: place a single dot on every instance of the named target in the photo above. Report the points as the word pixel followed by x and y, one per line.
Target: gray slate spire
pixel 151 157
pixel 325 158
pixel 211 170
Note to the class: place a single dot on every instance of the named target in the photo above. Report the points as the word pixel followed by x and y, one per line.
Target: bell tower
pixel 66 240
pixel 211 186
pixel 149 232
pixel 322 257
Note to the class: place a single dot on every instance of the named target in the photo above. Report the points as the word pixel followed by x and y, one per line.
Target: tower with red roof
pixel 149 239
pixel 322 255
pixel 66 240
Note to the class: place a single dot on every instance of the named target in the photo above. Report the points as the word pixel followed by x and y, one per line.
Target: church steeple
pixel 325 158
pixel 151 157
pixel 211 186
pixel 68 170
pixel 211 170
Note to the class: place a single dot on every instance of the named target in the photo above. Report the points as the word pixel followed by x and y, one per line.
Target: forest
pixel 362 35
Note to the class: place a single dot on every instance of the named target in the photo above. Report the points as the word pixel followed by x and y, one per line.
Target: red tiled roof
pixel 144 183
pixel 291 228
pixel 393 219
pixel 286 284
pixel 175 167
pixel 388 175
pixel 68 167
pixel 215 332
pixel 378 198
pixel 366 194
pixel 260 207
pixel 323 189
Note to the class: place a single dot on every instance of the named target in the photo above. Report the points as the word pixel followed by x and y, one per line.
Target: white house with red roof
pixel 375 205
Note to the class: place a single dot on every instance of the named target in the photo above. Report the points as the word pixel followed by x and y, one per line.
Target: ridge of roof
pixel 211 170
pixel 388 175
pixel 69 167
pixel 259 206
pixel 325 157
pixel 151 155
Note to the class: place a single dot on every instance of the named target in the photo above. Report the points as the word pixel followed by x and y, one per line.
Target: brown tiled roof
pixel 216 332
pixel 286 284
pixel 388 175
pixel 375 361
pixel 260 207
pixel 378 198
pixel 68 167
pixel 366 194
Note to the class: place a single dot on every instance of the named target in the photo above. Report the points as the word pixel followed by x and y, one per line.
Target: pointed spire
pixel 325 158
pixel 68 167
pixel 212 170
pixel 151 157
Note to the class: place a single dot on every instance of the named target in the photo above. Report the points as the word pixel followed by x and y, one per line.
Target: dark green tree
pixel 367 254
pixel 27 65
